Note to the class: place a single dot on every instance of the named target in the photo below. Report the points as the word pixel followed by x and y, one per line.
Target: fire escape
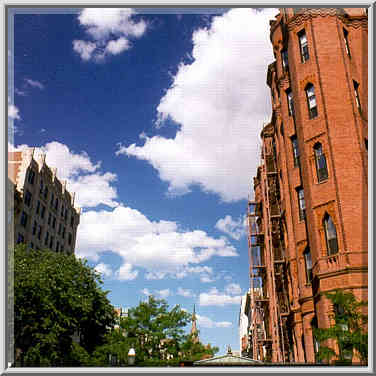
pixel 268 267
pixel 260 338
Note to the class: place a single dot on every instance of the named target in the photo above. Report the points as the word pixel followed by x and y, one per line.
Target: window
pixel 43 211
pixel 308 264
pixel 285 61
pixel 52 199
pixel 56 203
pixel 282 131
pixel 57 246
pixel 330 236
pixel 300 192
pixel 46 238
pixel 34 227
pixel 20 238
pixel 41 186
pixel 290 103
pixel 59 231
pixel 51 242
pixel 23 219
pixel 356 93
pixel 63 235
pixel 45 194
pixel 70 239
pixel 321 167
pixel 295 150
pixel 65 214
pixel 31 176
pixel 316 343
pixel 54 222
pixel 39 231
pixel 38 207
pixel 28 198
pixel 345 37
pixel 303 46
pixel 72 220
pixel 311 101
pixel 62 210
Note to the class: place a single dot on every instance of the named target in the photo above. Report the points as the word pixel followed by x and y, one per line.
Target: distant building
pixel 308 222
pixel 243 327
pixel 43 210
pixel 194 331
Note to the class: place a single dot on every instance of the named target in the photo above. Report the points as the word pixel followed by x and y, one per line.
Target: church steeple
pixel 194 331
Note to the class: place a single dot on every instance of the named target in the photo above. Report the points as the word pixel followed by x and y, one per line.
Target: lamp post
pixel 131 356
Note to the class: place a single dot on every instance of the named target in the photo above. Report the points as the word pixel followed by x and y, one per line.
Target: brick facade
pixel 309 219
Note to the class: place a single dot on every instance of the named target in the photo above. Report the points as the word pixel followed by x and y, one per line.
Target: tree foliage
pixel 349 329
pixel 157 334
pixel 56 297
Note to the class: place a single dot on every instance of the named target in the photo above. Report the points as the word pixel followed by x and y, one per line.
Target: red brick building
pixel 309 219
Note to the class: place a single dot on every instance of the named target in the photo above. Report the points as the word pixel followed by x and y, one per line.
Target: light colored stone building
pixel 44 215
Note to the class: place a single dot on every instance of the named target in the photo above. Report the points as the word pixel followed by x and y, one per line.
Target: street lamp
pixel 131 356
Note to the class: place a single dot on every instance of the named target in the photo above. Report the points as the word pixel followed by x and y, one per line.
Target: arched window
pixel 311 101
pixel 321 167
pixel 308 264
pixel 330 235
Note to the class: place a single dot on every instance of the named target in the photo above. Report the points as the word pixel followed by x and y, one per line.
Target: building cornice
pixel 309 13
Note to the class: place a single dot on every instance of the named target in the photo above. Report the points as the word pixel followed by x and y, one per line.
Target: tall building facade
pixel 308 222
pixel 43 211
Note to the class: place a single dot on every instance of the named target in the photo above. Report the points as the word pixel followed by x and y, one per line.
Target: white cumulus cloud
pixel 219 103
pixel 84 49
pixel 161 294
pixel 13 112
pixel 187 293
pixel 109 29
pixel 215 298
pixel 104 269
pixel 34 83
pixel 159 247
pixel 206 322
pixel 233 289
pixel 232 227
pixel 126 273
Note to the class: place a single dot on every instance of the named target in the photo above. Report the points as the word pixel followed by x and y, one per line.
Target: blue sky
pixel 153 118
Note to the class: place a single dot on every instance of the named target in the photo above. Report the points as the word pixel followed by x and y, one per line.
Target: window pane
pixel 303 38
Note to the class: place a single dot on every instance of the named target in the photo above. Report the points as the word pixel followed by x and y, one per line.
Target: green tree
pixel 193 350
pixel 154 331
pixel 349 330
pixel 57 297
